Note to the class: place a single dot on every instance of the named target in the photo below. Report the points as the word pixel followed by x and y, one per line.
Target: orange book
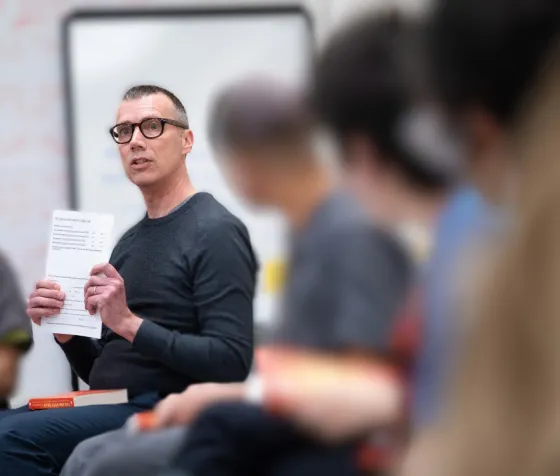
pixel 79 399
pixel 141 422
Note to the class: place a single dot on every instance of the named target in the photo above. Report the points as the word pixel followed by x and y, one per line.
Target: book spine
pixel 48 403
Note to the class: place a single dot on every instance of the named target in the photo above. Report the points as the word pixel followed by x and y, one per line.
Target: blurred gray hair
pixel 259 111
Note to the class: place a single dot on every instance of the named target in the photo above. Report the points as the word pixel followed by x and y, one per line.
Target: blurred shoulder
pixel 6 269
pixel 346 225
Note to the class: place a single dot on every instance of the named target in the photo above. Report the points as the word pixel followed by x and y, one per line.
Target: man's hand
pixel 183 408
pixel 105 292
pixel 46 301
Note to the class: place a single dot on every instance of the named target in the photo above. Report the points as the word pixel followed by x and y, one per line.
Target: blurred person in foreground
pixel 318 405
pixel 15 330
pixel 176 299
pixel 496 68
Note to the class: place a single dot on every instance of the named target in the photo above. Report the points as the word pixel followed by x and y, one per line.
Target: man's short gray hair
pixel 143 90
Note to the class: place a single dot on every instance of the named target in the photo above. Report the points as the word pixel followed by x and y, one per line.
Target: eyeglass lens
pixel 150 128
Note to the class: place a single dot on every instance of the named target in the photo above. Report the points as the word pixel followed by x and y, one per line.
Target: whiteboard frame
pixel 94 15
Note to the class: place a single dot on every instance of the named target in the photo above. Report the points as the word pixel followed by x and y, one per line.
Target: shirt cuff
pixel 18 339
pixel 151 339
pixel 70 345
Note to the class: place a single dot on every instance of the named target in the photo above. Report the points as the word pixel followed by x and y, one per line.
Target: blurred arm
pixel 332 397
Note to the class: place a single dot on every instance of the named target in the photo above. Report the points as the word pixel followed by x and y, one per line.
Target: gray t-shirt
pixel 346 281
pixel 15 326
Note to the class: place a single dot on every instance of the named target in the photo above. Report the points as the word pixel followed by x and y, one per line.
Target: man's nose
pixel 138 141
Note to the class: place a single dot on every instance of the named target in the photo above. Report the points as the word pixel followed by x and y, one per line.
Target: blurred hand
pixel 105 292
pixel 46 301
pixel 337 410
pixel 183 408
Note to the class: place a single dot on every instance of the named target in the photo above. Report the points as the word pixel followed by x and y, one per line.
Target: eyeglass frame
pixel 134 125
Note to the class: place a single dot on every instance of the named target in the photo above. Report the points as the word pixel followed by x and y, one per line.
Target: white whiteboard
pixel 191 53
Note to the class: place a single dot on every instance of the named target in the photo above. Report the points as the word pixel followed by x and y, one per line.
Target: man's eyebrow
pixel 149 116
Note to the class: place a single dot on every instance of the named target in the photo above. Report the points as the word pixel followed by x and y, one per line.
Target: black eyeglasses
pixel 150 128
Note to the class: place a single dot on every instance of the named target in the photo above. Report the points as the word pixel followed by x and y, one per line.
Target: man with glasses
pixel 176 299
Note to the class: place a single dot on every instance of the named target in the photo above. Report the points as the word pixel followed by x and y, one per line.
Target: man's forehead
pixel 153 105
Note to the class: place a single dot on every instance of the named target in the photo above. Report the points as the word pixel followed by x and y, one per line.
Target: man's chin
pixel 144 181
pixel 142 176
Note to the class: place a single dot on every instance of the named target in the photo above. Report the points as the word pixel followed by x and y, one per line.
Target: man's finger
pixel 97 269
pixel 45 303
pixel 107 269
pixel 39 312
pixel 46 284
pixel 35 319
pixel 48 293
pixel 96 281
pixel 92 303
pixel 95 291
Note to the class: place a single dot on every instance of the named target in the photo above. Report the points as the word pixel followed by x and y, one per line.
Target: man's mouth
pixel 140 161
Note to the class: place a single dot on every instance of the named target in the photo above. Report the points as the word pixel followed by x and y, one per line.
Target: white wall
pixel 32 140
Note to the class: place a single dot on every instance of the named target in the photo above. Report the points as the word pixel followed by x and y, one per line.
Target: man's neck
pixel 161 200
pixel 305 194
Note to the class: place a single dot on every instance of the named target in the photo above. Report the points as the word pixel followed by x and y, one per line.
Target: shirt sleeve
pixel 15 325
pixel 351 289
pixel 224 269
pixel 81 353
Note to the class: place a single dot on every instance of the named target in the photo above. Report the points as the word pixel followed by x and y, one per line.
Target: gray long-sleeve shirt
pixel 191 276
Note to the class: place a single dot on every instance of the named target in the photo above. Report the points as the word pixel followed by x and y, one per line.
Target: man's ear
pixel 188 141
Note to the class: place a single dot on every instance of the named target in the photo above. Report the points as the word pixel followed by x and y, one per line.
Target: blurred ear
pixel 362 157
pixel 489 153
pixel 484 133
pixel 188 141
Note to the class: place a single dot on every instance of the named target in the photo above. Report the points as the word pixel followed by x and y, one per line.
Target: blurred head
pixel 369 91
pixel 261 132
pixel 153 136
pixel 485 56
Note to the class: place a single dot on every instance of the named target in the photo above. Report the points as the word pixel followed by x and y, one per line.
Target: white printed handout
pixel 78 242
